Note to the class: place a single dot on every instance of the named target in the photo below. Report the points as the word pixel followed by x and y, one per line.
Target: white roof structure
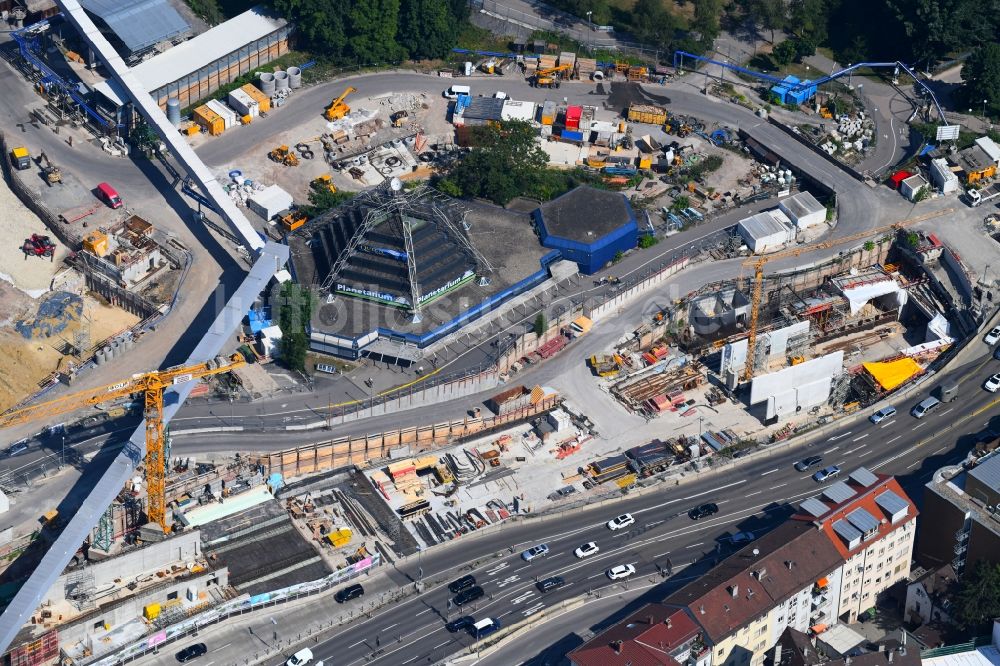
pixel 766 230
pixel 803 209
pixel 859 296
pixel 270 201
pixel 206 48
pixel 989 147
pixel 517 110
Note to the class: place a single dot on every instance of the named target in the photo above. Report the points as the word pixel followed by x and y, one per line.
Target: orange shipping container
pixel 263 101
pixel 213 123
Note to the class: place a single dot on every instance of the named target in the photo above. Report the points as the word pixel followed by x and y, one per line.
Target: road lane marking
pixel 856 448
pixel 921 425
pixel 914 464
pixel 225 646
pixel 832 448
pixel 756 493
pixel 840 436
pixel 410 659
pixel 894 439
pixel 940 450
pixel 695 545
pixel 426 610
pixel 358 643
pixel 771 471
pixel 440 645
pixel 390 626
pixel 949 411
pixel 857 439
pixel 780 485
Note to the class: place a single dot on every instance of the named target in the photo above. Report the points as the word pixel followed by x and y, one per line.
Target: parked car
pixel 109 195
pixel 621 571
pixel 586 550
pixel 348 593
pixel 993 383
pixel 993 336
pixel 741 538
pixel 996 353
pixel 886 412
pixel 621 521
pixel 541 550
pixel 553 583
pixel 462 583
pixel 300 658
pixel 468 596
pixel 827 473
pixel 460 623
pixel 703 511
pixel 806 463
pixel 191 652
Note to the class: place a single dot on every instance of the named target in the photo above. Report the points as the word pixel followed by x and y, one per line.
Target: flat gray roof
pixel 762 225
pixel 988 473
pixel 801 204
pixel 139 24
pixel 585 214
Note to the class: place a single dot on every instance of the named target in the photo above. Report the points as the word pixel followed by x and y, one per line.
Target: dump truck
pixel 20 158
pixel 293 220
pixel 647 113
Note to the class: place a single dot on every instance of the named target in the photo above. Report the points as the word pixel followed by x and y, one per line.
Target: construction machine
pixel 758 263
pixel 51 172
pixel 338 109
pixel 399 118
pixel 152 386
pixel 292 220
pixel 20 158
pixel 282 155
pixel 549 78
pixel 324 182
pixel 38 246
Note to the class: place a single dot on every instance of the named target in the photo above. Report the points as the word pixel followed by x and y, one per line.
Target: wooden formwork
pixel 358 450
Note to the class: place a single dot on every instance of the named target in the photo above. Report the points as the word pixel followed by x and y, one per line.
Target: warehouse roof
pixel 139 24
pixel 585 214
pixel 484 108
pixel 802 204
pixel 765 224
pixel 206 48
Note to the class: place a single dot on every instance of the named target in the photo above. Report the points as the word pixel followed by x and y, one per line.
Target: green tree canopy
pixel 501 162
pixel 978 600
pixel 981 74
pixel 427 28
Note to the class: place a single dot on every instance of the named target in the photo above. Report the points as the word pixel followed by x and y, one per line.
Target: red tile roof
pixel 745 586
pixel 864 498
pixel 646 639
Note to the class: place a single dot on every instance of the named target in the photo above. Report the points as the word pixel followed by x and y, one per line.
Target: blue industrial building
pixel 793 90
pixel 588 226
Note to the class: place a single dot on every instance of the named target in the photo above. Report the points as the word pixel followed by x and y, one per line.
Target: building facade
pixel 828 563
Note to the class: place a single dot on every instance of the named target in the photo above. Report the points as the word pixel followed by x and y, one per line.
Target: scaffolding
pixel 79 589
pixel 104 533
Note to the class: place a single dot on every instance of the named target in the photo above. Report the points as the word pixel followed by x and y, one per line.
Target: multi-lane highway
pixel 755 494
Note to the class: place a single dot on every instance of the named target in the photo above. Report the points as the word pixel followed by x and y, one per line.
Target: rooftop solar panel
pixel 814 507
pixel 838 493
pixel 892 504
pixel 849 534
pixel 862 520
pixel 863 477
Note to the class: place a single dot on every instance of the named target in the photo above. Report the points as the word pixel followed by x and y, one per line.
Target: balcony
pixel 962 535
pixel 960 548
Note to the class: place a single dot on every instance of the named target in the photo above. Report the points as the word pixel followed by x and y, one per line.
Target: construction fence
pixel 345 451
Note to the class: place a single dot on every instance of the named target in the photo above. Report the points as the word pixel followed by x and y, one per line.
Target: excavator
pixel 51 172
pixel 282 155
pixel 549 78
pixel 152 386
pixel 338 109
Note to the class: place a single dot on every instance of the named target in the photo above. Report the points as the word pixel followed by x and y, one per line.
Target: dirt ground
pixel 26 363
pixel 29 274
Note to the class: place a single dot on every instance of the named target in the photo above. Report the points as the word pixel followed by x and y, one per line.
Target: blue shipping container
pixel 570 135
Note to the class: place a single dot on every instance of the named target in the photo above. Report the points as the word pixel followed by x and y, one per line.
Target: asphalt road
pixel 756 496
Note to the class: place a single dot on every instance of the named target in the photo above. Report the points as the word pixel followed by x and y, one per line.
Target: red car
pixel 109 195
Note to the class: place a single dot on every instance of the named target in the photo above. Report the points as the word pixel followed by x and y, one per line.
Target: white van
pixel 455 91
pixel 300 658
pixel 926 405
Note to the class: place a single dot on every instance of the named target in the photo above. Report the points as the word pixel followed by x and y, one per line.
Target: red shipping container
pixel 573 114
pixel 898 178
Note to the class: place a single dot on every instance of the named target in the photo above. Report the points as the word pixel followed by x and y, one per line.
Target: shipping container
pixel 573 114
pixel 229 117
pixel 263 101
pixel 587 117
pixel 213 123
pixel 548 112
pixel 243 103
pixel 572 135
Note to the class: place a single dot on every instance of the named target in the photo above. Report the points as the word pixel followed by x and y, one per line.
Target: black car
pixel 806 463
pixel 191 652
pixel 348 593
pixel 553 583
pixel 469 595
pixel 464 622
pixel 463 583
pixel 17 448
pixel 703 511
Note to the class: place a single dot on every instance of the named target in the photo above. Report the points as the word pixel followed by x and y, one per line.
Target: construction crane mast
pixel 758 263
pixel 151 385
pixel 338 109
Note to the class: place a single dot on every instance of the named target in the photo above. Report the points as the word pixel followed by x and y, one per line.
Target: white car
pixel 586 550
pixel 993 336
pixel 993 383
pixel 621 521
pixel 300 658
pixel 621 571
pixel 500 95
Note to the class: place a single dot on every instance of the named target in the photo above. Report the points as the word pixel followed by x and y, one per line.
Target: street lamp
pixel 850 76
pixel 984 110
pixel 591 35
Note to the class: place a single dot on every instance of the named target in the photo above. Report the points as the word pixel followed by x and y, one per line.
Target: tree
pixel 295 307
pixel 504 161
pixel 427 28
pixel 706 20
pixel 978 599
pixel 540 324
pixel 808 18
pixel 372 26
pixel 321 199
pixel 320 24
pixel 981 76
pixel 653 24
pixel 784 53
pixel 769 14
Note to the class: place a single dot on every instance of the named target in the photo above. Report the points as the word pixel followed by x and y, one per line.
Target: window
pixel 721 651
pixel 99 625
pixel 171 596
pixel 899 567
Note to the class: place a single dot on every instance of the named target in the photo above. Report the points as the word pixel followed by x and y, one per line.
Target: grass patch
pixel 283 62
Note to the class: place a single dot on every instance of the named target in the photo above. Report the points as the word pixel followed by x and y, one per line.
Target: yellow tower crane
pixel 152 386
pixel 758 262
pixel 337 108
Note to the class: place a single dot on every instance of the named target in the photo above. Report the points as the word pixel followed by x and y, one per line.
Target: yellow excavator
pixel 282 155
pixel 338 109
pixel 549 78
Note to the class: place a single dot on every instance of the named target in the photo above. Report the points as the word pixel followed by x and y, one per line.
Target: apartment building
pixel 827 563
pixel 961 524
